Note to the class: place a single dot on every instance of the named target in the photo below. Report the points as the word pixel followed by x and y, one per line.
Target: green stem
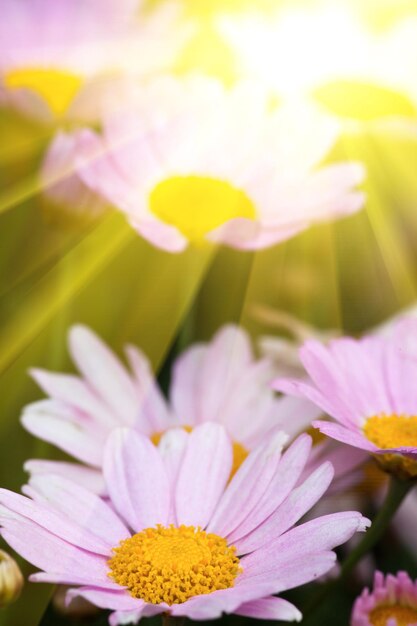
pixel 397 491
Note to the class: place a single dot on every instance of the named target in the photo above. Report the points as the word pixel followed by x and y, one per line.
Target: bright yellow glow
pixel 57 88
pixel 198 204
pixel 168 564
pixel 326 49
pixel 207 52
pixel 362 101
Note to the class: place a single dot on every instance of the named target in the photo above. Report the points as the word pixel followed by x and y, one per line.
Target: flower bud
pixel 11 579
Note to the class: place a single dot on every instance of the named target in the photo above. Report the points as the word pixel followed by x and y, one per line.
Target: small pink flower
pixel 392 602
pixel 368 387
pixel 219 545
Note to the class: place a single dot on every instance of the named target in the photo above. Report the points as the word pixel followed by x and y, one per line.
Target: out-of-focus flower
pixel 284 354
pixel 284 351
pixel 57 56
pixel 220 381
pixel 351 71
pixel 367 386
pixel 391 602
pixel 180 536
pixel 11 579
pixel 192 161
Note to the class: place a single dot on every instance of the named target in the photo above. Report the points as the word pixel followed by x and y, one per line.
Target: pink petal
pixel 104 373
pixel 295 572
pixel 160 235
pixel 284 480
pixel 78 505
pixel 55 424
pixel 247 486
pixel 270 608
pixel 321 534
pixel 211 606
pixel 106 598
pixel 125 618
pixel 153 415
pixel 74 392
pixel 297 504
pixel 340 433
pixel 186 383
pixel 203 474
pixel 46 551
pixel 228 353
pixel 136 479
pixel 87 477
pixel 54 522
pixel 172 448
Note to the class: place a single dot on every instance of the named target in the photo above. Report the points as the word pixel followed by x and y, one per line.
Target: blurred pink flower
pixel 57 56
pixel 392 602
pixel 171 510
pixel 193 161
pixel 220 381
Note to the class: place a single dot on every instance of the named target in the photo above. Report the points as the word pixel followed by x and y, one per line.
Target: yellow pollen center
pixel 403 615
pixel 198 204
pixel 57 88
pixel 169 564
pixel 393 431
pixel 239 452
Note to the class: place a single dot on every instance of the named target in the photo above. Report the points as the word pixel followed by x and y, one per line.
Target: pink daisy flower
pixel 220 381
pixel 178 535
pixel 57 56
pixel 368 387
pixel 392 602
pixel 192 161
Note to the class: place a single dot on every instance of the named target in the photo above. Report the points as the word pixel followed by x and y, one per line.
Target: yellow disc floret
pixel 170 564
pixel 403 615
pixel 198 204
pixel 393 431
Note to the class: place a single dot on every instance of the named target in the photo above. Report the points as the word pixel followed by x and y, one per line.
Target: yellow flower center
pixel 403 615
pixel 169 564
pixel 239 452
pixel 198 204
pixel 57 88
pixel 393 431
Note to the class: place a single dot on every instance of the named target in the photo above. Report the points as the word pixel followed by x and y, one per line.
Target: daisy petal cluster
pixel 391 602
pixel 249 177
pixel 367 386
pixel 220 381
pixel 177 535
